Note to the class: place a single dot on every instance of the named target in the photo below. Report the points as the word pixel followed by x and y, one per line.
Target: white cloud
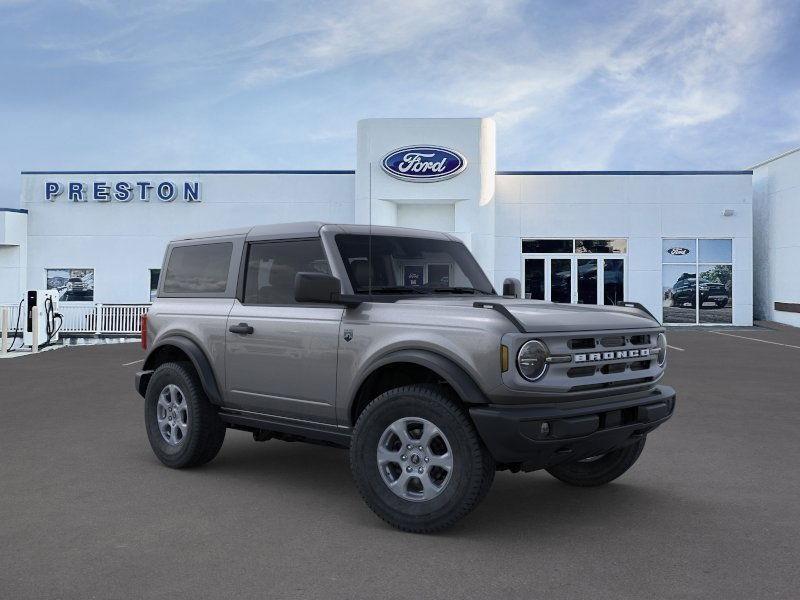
pixel 571 85
pixel 684 65
pixel 354 31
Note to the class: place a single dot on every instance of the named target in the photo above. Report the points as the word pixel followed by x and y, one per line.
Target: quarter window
pixel 154 275
pixel 272 267
pixel 198 269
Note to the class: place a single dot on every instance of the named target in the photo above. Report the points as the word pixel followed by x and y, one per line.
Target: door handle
pixel 242 328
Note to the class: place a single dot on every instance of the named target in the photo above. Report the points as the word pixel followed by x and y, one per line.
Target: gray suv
pixel 392 342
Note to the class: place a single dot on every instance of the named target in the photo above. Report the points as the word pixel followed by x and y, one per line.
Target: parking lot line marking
pixel 756 340
pixel 676 348
pixel 133 362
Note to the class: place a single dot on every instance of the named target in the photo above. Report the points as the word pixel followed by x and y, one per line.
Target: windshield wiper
pixel 458 290
pixel 390 289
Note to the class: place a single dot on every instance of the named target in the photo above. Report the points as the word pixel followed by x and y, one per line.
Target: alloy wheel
pixel 415 459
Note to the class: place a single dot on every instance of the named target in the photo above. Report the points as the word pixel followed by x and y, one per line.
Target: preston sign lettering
pixel 423 163
pixel 122 191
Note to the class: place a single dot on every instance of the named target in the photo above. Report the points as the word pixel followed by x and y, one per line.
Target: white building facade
pixel 681 243
pixel 776 198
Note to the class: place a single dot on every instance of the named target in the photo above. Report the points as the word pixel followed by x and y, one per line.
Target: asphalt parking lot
pixel 711 509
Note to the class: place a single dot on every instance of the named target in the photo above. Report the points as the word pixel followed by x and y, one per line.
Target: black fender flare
pixel 199 360
pixel 461 382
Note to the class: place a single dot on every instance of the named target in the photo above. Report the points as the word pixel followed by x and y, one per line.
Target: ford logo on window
pixel 424 163
pixel 678 251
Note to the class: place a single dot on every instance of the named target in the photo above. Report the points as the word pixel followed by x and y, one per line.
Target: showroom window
pixel 548 246
pixel 73 285
pixel 697 281
pixel 578 271
pixel 154 275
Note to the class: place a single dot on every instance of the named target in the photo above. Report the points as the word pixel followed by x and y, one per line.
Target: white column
pixel 35 341
pixel 4 330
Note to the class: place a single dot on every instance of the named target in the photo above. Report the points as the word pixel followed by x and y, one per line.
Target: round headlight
pixel 531 360
pixel 662 349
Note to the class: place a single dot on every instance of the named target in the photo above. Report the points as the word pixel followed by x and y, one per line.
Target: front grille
pixel 581 371
pixel 586 360
pixel 604 361
pixel 581 344
pixel 612 384
pixel 613 342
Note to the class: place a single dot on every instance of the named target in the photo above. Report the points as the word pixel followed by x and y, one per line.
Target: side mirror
pixel 317 287
pixel 512 287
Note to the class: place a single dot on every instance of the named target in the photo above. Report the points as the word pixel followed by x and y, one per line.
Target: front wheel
pixel 418 461
pixel 598 470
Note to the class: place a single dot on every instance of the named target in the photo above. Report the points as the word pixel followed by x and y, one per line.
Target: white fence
pixel 83 318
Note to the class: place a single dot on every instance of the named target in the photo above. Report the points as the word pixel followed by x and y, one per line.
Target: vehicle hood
pixel 539 316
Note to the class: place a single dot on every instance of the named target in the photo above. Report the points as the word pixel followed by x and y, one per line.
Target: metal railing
pixel 96 318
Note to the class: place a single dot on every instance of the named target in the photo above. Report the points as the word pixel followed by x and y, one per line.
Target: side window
pixel 272 266
pixel 198 269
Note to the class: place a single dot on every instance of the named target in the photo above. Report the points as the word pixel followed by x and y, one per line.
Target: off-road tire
pixel 206 431
pixel 473 466
pixel 600 471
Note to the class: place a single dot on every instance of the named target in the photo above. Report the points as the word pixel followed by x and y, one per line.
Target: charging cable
pixel 16 327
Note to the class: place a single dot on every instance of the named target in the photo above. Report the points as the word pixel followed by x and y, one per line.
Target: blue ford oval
pixel 423 163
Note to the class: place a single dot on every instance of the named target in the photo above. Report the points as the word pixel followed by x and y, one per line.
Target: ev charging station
pixel 42 321
pixel 41 325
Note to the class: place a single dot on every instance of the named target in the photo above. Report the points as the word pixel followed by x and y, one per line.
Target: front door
pixel 281 356
pixel 585 279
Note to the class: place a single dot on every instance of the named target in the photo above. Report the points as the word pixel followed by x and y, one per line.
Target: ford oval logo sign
pixel 678 251
pixel 423 163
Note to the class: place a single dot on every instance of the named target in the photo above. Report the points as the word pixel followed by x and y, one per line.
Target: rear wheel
pixel 183 427
pixel 598 470
pixel 417 460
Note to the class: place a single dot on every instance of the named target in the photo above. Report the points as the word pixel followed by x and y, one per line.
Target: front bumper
pixel 536 437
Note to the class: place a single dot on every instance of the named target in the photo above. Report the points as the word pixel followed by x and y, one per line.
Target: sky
pixel 246 84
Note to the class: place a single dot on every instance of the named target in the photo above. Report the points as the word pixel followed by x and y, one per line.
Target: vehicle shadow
pixel 522 502
pixel 538 503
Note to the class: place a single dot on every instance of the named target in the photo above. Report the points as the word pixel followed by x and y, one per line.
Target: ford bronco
pixel 393 343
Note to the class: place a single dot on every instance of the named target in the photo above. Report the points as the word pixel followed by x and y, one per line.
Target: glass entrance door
pixel 574 279
pixel 534 278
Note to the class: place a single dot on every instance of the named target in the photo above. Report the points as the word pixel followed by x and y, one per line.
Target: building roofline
pixel 24 211
pixel 781 155
pixel 742 172
pixel 198 172
pixel 346 172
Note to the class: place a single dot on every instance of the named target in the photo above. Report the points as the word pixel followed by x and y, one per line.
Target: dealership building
pixel 681 243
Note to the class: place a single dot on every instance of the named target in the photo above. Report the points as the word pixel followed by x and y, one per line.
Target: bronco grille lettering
pixel 598 356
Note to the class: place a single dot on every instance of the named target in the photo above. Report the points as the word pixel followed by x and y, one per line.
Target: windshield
pixel 408 265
